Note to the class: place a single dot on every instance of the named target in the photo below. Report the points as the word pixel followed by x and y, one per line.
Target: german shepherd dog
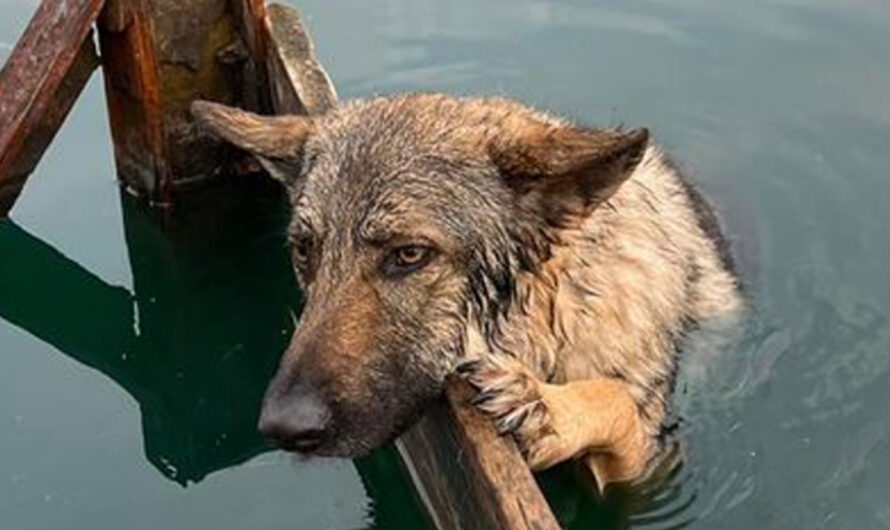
pixel 553 265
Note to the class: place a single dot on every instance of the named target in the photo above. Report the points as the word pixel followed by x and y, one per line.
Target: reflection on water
pixel 780 109
pixel 210 311
pixel 197 339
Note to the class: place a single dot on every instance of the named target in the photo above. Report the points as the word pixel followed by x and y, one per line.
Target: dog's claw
pixel 508 393
pixel 509 422
pixel 483 397
pixel 468 367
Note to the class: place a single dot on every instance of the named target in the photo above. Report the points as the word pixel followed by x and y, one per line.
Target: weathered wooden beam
pixel 469 477
pixel 42 78
pixel 300 84
pixel 159 56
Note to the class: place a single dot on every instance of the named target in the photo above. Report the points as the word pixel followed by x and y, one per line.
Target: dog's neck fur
pixel 608 307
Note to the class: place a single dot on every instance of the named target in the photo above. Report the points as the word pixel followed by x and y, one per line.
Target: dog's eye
pixel 409 258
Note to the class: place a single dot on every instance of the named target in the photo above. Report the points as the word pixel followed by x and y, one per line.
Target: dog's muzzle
pixel 296 419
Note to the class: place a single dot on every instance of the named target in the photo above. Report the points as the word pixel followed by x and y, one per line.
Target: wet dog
pixel 553 265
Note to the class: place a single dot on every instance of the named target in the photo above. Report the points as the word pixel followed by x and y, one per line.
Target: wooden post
pixel 42 78
pixel 299 83
pixel 468 477
pixel 160 55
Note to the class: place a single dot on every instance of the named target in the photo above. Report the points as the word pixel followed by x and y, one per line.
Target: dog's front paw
pixel 515 399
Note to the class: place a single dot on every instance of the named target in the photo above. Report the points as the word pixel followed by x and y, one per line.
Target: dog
pixel 557 267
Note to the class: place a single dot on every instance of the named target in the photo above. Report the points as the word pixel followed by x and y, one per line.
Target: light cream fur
pixel 599 327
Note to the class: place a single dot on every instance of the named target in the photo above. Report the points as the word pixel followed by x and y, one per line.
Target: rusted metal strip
pixel 42 78
pixel 133 96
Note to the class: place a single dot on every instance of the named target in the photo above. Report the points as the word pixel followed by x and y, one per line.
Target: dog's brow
pixel 388 228
pixel 376 229
pixel 388 239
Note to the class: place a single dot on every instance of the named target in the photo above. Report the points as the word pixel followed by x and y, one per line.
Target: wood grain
pixel 133 96
pixel 468 476
pixel 300 85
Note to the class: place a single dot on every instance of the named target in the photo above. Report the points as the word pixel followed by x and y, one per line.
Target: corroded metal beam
pixel 39 83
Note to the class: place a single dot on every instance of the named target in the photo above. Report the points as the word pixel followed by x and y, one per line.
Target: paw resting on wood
pixel 595 420
pixel 517 402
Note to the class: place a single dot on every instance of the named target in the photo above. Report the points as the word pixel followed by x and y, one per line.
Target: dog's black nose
pixel 297 420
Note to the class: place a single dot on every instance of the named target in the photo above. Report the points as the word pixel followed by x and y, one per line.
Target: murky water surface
pixel 132 361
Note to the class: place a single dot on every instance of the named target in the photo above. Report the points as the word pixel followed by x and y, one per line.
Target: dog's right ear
pixel 276 141
pixel 562 172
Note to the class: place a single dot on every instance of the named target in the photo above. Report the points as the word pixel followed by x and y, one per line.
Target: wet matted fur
pixel 555 266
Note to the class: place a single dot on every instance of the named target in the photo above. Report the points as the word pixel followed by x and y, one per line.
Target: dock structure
pixel 39 84
pixel 157 56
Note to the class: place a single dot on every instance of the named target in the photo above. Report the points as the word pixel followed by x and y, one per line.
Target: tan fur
pixel 613 299
pixel 596 419
pixel 346 325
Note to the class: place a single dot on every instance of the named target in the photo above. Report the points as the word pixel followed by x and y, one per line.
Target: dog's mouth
pixel 303 445
pixel 370 434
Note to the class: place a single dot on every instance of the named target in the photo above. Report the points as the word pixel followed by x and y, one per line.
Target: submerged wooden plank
pixel 300 85
pixel 469 477
pixel 42 78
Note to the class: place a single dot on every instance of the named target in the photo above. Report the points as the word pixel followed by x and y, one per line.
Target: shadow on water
pixel 199 336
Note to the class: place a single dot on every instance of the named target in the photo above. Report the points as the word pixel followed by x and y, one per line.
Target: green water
pixel 132 357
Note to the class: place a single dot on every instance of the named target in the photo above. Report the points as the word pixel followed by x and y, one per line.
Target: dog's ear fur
pixel 562 172
pixel 276 141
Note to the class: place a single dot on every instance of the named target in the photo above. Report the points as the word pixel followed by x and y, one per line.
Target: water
pixel 128 387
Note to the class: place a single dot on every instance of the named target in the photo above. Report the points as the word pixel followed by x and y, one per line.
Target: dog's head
pixel 412 217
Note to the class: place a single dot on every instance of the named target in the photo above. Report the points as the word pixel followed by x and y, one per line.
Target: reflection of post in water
pixel 197 340
pixel 214 295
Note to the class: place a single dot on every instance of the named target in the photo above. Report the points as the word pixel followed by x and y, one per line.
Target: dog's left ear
pixel 276 141
pixel 563 172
